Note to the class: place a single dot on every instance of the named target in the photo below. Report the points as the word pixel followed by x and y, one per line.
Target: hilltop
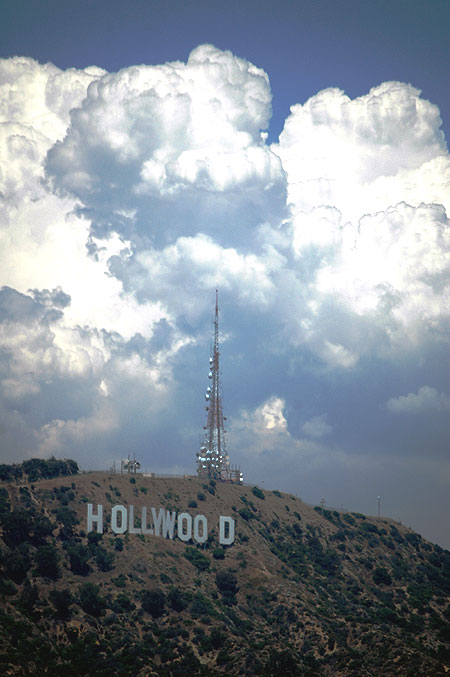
pixel 301 591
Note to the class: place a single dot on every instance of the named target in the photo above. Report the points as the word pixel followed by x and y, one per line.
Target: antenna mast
pixel 213 461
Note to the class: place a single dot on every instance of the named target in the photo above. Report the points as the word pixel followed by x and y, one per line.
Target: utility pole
pixel 379 500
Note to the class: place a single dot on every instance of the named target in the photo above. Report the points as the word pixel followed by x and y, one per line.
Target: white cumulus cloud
pixel 426 399
pixel 127 198
pixel 335 151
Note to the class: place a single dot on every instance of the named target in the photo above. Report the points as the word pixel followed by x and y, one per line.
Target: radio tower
pixel 213 461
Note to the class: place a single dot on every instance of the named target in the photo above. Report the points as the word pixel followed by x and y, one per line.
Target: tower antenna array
pixel 213 461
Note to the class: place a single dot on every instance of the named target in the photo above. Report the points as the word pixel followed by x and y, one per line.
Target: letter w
pixel 166 520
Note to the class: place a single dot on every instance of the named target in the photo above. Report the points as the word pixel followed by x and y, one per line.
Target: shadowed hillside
pixel 301 591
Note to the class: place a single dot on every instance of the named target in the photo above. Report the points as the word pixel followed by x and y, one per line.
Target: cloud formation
pixel 128 197
pixel 425 400
pixel 317 426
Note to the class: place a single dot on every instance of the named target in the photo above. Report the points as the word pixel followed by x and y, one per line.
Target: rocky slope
pixel 301 591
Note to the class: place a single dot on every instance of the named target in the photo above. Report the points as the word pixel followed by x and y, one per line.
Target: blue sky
pixel 150 153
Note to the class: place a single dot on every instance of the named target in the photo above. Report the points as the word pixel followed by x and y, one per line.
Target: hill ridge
pixel 301 590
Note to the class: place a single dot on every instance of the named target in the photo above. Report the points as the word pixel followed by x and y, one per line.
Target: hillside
pixel 301 591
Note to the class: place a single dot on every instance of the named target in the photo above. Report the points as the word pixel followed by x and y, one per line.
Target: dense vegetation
pixel 301 592
pixel 38 468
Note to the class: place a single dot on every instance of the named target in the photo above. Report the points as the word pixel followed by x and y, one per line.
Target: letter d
pixel 225 522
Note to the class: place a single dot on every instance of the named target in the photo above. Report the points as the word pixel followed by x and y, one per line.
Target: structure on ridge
pixel 213 461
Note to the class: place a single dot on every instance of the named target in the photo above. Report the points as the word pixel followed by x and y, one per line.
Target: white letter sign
pixel 225 539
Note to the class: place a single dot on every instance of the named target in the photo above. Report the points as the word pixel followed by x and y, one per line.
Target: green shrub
pixel 153 602
pixel 62 600
pixel 176 600
pixel 118 544
pixel 94 539
pixel 90 600
pixel 46 558
pixel 201 606
pixel 79 556
pixel 120 581
pixel 381 576
pixel 17 563
pixel 197 558
pixel 123 604
pixel 217 638
pixel 284 663
pixel 420 594
pixel 396 535
pixel 256 491
pixel 28 597
pixel 7 588
pixel 387 615
pixel 246 514
pixel 104 559
pixel 192 504
pixel 67 517
pixel 226 581
pixel 42 529
pixel 4 500
pixel 16 526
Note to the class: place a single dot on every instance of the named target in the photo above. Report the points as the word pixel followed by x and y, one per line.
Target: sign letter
pixel 145 529
pixel 131 528
pixel 123 519
pixel 98 518
pixel 184 535
pixel 197 520
pixel 224 538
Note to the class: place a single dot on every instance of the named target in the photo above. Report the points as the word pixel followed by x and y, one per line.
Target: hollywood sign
pixel 163 523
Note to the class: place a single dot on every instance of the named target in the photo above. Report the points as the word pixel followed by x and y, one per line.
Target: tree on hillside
pixel 47 558
pixel 90 600
pixel 153 602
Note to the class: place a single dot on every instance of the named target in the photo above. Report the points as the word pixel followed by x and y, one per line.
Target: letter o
pixel 197 520
pixel 123 519
pixel 184 535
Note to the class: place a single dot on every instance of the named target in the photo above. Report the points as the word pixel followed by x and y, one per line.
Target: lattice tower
pixel 213 461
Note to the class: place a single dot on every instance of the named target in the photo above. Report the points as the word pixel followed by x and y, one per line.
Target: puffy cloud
pixel 425 400
pixel 368 186
pixel 35 101
pixel 35 342
pixel 128 197
pixel 399 267
pixel 269 416
pixel 336 355
pixel 366 154
pixel 176 145
pixel 45 241
pixel 195 265
pixel 263 430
